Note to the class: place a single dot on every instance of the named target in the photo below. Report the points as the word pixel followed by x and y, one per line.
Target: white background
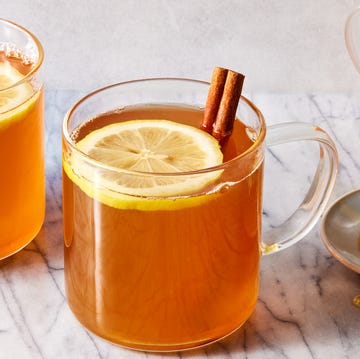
pixel 280 45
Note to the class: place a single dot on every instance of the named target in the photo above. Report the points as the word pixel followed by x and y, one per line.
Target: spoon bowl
pixel 340 230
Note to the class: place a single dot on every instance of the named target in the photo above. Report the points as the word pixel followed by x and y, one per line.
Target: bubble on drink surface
pixel 26 60
pixel 74 134
pixel 11 51
pixel 118 110
pixel 82 130
pixel 92 124
pixel 222 187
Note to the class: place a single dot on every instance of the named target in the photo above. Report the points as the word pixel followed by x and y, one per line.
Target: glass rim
pixel 40 48
pixel 70 142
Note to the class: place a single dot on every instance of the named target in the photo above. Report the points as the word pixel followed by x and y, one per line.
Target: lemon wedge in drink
pixel 145 164
pixel 14 101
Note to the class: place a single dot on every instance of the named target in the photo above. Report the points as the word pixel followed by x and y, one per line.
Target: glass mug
pixel 159 273
pixel 22 177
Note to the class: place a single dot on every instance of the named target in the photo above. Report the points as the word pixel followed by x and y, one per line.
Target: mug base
pixel 165 348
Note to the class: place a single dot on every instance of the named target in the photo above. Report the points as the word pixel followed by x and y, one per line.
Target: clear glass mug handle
pixel 307 214
pixel 352 35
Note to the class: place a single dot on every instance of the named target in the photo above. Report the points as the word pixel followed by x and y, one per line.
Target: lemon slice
pixel 13 100
pixel 136 150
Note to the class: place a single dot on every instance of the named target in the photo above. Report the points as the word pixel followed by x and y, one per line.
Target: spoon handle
pixel 356 301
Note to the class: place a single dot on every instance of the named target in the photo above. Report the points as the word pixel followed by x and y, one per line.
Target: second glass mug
pixel 22 167
pixel 158 273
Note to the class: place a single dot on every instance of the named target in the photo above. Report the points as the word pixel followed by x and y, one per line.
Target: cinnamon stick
pixel 216 90
pixel 221 104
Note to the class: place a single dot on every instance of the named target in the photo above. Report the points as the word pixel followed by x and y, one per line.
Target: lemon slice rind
pixel 127 202
pixel 145 191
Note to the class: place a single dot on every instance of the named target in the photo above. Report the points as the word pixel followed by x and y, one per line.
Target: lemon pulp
pixel 15 101
pixel 138 161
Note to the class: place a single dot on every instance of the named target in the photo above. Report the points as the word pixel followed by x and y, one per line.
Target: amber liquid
pixel 22 180
pixel 165 279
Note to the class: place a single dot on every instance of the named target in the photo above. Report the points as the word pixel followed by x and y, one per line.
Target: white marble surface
pixel 281 45
pixel 305 304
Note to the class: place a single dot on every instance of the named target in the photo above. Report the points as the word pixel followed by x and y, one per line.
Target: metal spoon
pixel 340 232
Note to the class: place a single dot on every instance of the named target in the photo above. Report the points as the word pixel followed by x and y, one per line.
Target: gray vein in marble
pixel 21 322
pixel 278 159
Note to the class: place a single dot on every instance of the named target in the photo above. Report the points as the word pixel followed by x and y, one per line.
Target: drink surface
pixel 17 62
pixel 22 193
pixel 165 278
